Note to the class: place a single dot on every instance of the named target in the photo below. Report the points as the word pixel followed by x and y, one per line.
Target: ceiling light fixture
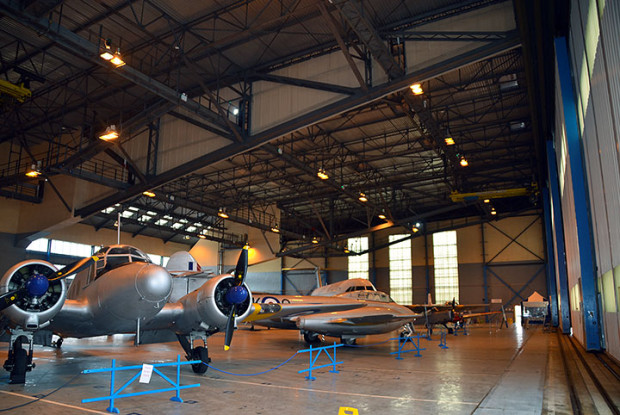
pixel 493 212
pixel 111 133
pixel 416 89
pixel 201 236
pixel 382 216
pixel 222 214
pixel 148 193
pixel 275 229
pixel 362 197
pixel 487 200
pixel 314 240
pixel 34 170
pixel 322 174
pixel 106 53
pixel 346 250
pixel 463 162
pixel 117 60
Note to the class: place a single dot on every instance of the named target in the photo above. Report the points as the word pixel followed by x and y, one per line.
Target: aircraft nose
pixel 153 283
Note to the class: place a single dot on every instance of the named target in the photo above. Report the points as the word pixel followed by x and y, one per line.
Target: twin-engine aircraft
pixel 119 290
pixel 380 313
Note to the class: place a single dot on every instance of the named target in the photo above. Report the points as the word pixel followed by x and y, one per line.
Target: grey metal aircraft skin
pixel 380 313
pixel 121 291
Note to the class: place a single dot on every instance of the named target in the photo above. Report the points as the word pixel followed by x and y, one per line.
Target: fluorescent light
pixel 106 55
pixel 148 193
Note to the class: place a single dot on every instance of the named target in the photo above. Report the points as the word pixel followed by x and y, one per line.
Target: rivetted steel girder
pixel 89 51
pixel 305 120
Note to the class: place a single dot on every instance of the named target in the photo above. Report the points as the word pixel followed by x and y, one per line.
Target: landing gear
pixel 200 353
pixel 19 361
pixel 196 353
pixel 349 341
pixel 58 343
pixel 311 337
pixel 408 330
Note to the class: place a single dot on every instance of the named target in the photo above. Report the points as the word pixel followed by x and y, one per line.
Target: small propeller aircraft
pixel 117 290
pixel 379 314
pixel 450 313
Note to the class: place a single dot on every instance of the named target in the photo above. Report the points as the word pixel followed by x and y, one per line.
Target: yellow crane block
pixel 490 194
pixel 19 92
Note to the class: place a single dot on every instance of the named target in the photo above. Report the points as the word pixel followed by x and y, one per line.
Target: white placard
pixel 496 300
pixel 147 371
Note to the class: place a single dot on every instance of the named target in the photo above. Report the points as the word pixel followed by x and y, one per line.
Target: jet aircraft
pixel 449 313
pixel 380 313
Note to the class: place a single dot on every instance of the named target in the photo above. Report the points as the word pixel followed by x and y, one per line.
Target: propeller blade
pixel 73 268
pixel 230 327
pixel 10 298
pixel 242 266
pixel 236 294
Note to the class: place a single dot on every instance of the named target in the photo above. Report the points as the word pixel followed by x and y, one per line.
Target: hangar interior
pixel 295 126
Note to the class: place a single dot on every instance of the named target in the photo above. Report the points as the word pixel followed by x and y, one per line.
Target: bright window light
pixel 358 264
pixel 446 267
pixel 400 270
pixel 39 245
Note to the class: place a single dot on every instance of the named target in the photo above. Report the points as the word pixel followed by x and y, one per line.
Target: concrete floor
pixel 489 371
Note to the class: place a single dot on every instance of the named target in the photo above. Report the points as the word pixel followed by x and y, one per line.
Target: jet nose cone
pixel 153 283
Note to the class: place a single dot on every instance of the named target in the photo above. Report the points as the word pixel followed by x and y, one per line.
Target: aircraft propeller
pixel 236 294
pixel 38 283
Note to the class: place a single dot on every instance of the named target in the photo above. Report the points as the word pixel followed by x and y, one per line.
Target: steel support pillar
pixel 557 224
pixel 591 318
pixel 551 283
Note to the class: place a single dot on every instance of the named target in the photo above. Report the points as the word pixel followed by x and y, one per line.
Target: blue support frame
pixel 316 356
pixel 556 205
pixel 552 289
pixel 591 318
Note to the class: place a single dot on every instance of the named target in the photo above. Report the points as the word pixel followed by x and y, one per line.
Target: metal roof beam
pixel 305 120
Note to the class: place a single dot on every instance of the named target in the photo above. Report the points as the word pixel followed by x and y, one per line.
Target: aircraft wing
pixel 288 311
pixel 472 315
pixel 373 319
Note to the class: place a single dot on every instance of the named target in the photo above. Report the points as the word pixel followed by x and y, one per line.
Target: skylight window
pixel 191 229
pixel 145 218
pixel 161 222
pixel 108 210
pixel 177 225
pixel 127 213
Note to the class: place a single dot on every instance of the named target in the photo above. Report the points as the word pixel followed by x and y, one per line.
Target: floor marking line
pixel 398 398
pixel 54 402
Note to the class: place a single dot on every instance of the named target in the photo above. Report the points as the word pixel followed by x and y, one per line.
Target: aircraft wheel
pixel 58 343
pixel 20 361
pixel 312 338
pixel 200 353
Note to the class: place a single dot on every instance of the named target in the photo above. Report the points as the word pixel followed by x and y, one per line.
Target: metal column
pixel 590 309
pixel 551 282
pixel 557 224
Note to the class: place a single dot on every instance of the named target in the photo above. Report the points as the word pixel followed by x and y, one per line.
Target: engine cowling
pixel 32 312
pixel 208 306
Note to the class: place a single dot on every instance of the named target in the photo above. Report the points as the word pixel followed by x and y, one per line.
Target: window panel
pixel 446 267
pixel 39 245
pixel 400 270
pixel 358 264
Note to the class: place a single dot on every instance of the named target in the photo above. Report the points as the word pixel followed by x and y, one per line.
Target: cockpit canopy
pixel 116 255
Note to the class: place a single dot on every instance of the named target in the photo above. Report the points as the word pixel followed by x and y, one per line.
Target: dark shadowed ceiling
pixel 198 62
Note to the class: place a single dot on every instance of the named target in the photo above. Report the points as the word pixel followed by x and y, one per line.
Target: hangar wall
pixel 508 254
pixel 594 51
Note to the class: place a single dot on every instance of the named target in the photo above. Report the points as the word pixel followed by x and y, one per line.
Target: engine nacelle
pixel 33 312
pixel 208 308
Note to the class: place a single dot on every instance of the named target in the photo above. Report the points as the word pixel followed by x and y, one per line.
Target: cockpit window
pixel 112 257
